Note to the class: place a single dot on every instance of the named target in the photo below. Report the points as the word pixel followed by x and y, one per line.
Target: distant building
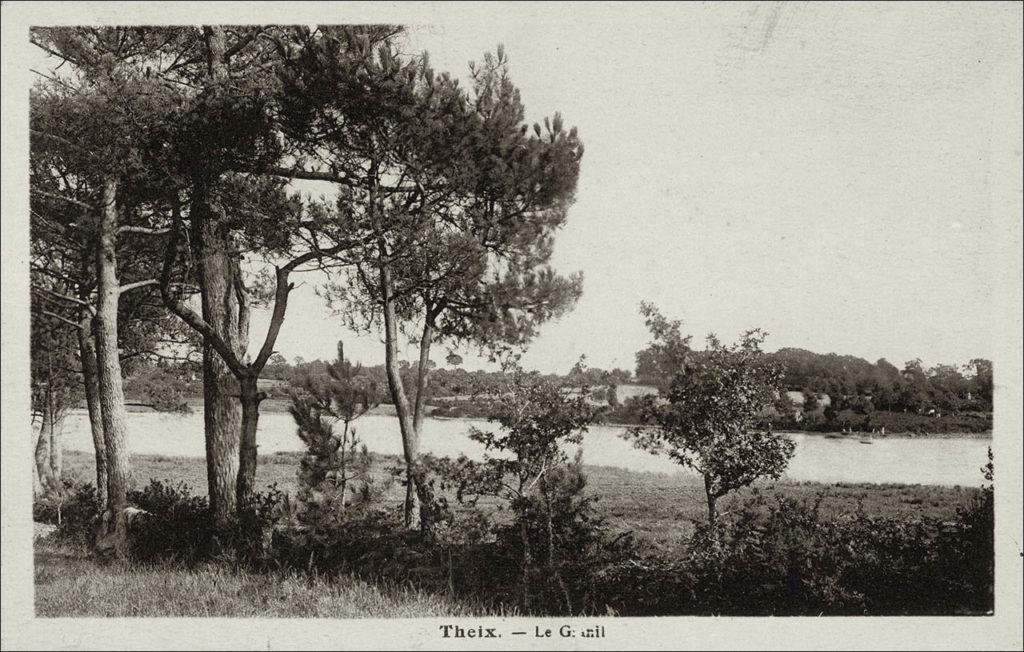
pixel 627 391
pixel 797 398
pixel 272 386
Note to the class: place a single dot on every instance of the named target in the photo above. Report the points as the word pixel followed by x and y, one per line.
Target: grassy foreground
pixel 659 508
pixel 68 583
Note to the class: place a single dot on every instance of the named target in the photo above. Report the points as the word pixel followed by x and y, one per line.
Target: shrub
pixel 547 552
pixel 557 539
pixel 177 525
pixel 334 474
pixel 73 509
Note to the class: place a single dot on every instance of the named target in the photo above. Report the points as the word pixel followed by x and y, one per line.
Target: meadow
pixel 659 508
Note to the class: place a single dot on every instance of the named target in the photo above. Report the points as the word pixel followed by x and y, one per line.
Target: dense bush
pixel 168 523
pixel 790 560
pixel 176 525
pixel 73 509
pixel 557 541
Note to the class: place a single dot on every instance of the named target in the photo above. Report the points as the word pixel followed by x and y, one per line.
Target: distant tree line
pixel 854 383
pixel 851 384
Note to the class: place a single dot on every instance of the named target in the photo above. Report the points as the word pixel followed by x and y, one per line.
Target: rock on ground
pixel 43 530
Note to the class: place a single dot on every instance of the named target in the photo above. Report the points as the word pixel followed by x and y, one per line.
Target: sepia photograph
pixel 574 326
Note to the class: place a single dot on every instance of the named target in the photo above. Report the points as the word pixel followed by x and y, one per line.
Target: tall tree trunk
pixel 222 413
pixel 250 399
pixel 406 422
pixel 56 460
pixel 114 416
pixel 90 378
pixel 221 308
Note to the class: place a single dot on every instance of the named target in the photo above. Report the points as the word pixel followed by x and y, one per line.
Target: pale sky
pixel 817 170
pixel 820 171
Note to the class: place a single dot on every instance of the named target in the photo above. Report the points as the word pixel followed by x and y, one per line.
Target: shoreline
pixel 681 478
pixel 277 406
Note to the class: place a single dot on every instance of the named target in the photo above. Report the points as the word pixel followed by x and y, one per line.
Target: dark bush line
pixel 892 422
pixel 776 556
pixel 794 562
pixel 897 422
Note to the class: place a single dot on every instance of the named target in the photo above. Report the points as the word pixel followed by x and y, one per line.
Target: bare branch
pixel 137 284
pixel 70 200
pixel 311 175
pixel 62 297
pixel 69 322
pixel 142 230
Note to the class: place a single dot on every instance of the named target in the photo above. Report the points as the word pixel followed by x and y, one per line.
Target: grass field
pixel 68 583
pixel 659 508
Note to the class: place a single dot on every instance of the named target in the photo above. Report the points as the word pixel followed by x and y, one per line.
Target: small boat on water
pixel 866 441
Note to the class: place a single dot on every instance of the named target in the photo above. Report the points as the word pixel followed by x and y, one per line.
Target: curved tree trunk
pixel 113 533
pixel 90 378
pixel 416 492
pixel 41 462
pixel 250 394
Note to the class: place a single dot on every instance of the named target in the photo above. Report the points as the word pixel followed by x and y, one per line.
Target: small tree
pixel 713 415
pixel 334 458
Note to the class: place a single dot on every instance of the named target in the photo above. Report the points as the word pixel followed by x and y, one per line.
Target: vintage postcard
pixel 439 325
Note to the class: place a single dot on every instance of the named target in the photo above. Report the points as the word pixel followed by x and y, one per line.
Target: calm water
pixel 953 461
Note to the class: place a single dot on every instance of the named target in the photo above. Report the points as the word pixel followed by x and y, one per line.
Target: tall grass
pixel 70 584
